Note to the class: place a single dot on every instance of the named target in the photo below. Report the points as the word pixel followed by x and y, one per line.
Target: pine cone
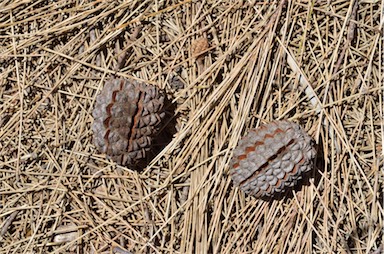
pixel 127 115
pixel 271 158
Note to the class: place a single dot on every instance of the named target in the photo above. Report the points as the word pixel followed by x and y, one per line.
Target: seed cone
pixel 127 115
pixel 271 158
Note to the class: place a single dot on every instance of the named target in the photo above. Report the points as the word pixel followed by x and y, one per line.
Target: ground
pixel 225 67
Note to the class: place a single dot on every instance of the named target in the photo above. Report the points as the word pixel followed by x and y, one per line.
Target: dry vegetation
pixel 318 63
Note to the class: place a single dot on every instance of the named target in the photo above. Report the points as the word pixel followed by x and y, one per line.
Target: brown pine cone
pixel 271 158
pixel 127 115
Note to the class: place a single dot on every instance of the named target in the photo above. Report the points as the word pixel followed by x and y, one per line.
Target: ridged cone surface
pixel 127 115
pixel 271 158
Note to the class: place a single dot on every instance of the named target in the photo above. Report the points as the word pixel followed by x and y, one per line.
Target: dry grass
pixel 319 63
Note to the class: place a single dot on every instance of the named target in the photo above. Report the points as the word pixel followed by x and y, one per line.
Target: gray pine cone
pixel 127 115
pixel 271 158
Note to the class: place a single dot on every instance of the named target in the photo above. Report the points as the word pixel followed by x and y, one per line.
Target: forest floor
pixel 316 63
